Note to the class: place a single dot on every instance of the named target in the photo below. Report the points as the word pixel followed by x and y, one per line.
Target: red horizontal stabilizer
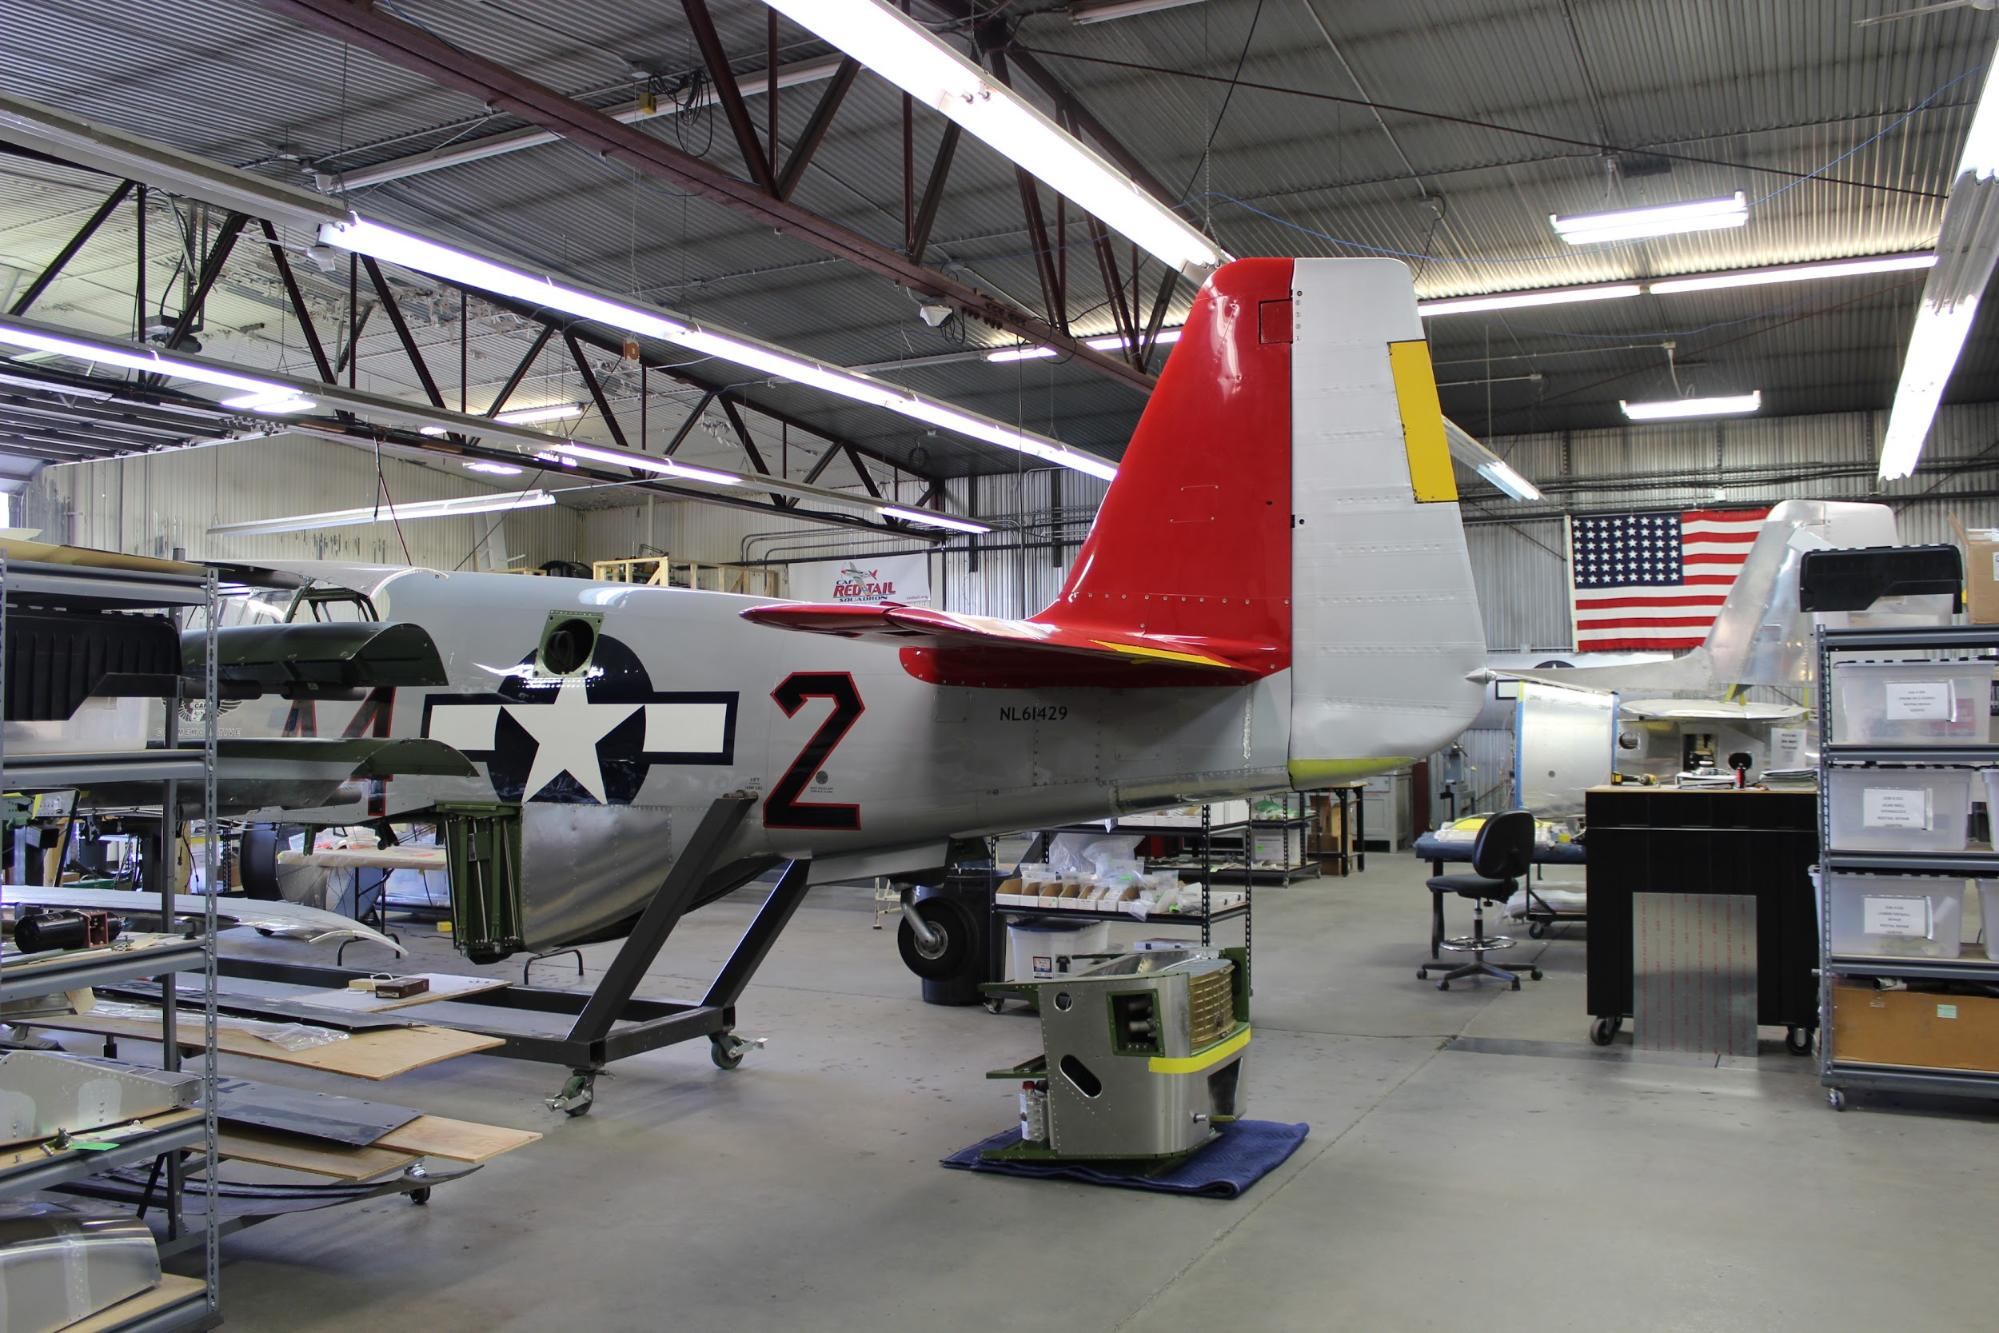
pixel 970 650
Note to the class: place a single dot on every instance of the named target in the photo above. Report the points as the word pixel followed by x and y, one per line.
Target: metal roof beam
pixel 361 24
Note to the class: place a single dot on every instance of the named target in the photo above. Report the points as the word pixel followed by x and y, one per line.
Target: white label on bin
pixel 1946 1011
pixel 1895 807
pixel 1913 700
pixel 1905 917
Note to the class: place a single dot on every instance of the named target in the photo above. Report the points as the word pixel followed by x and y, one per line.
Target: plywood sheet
pixel 459 1140
pixel 272 1148
pixel 380 1054
pixel 32 1152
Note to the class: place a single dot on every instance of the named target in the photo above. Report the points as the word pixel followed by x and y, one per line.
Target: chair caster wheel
pixel 1536 974
pixel 1443 985
pixel 1422 974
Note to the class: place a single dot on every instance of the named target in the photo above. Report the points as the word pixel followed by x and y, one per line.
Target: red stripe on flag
pixel 1647 622
pixel 1594 604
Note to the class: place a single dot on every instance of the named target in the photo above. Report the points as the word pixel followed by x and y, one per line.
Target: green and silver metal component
pixel 1143 1057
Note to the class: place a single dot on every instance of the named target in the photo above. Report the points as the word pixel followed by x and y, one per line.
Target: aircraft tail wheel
pixel 946 952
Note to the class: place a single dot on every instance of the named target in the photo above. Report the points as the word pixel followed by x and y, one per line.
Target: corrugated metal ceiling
pixel 1761 87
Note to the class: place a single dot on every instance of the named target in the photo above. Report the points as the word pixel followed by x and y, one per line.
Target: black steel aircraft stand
pixel 609 1023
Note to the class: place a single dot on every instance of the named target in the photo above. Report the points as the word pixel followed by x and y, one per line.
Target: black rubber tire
pixel 1798 1041
pixel 955 921
pixel 1537 930
pixel 1422 974
pixel 582 1109
pixel 1536 974
pixel 726 1051
pixel 420 1197
pixel 1602 1032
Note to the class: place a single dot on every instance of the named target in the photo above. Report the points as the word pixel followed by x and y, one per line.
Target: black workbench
pixel 1669 840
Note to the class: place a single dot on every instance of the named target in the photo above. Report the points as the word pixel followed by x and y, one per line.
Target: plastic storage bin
pixel 1900 809
pixel 1912 703
pixel 1988 916
pixel 1896 916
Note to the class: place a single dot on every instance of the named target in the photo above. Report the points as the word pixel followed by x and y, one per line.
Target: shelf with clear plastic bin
pixel 1153 896
pixel 1922 704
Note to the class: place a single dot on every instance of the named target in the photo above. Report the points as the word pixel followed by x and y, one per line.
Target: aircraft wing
pixel 292 920
pixel 1016 644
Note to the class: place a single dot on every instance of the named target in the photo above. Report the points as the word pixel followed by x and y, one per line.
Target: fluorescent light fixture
pixel 670 467
pixel 1111 342
pixel 1465 305
pixel 1630 224
pixel 1760 277
pixel 493 469
pixel 933 520
pixel 385 512
pixel 1677 409
pixel 56 387
pixel 1967 252
pixel 455 265
pixel 1466 449
pixel 1121 9
pixel 528 416
pixel 433 431
pixel 252 394
pixel 274 404
pixel 910 57
pixel 1502 475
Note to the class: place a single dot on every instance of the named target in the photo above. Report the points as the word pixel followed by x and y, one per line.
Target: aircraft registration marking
pixel 1035 713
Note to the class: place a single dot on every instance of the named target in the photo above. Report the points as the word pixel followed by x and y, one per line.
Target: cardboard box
pixel 1981 575
pixel 1917 1029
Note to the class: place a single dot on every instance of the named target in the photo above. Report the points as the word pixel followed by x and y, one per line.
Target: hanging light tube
pixel 251 394
pixel 1631 224
pixel 1808 272
pixel 645 463
pixel 1967 252
pixel 528 416
pixel 909 56
pixel 929 519
pixel 385 512
pixel 455 265
pixel 1680 409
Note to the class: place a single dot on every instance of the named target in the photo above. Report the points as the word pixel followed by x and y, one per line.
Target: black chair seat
pixel 1474 886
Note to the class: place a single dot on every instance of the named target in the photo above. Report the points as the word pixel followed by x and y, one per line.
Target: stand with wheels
pixel 609 1023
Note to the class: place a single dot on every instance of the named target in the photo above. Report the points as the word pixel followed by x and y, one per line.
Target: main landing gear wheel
pixel 727 1050
pixel 945 953
pixel 1798 1041
pixel 577 1095
pixel 1605 1030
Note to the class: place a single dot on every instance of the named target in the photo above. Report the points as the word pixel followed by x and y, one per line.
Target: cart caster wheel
pixel 726 1049
pixel 994 1004
pixel 420 1197
pixel 1836 1098
pixel 1601 1032
pixel 1798 1041
pixel 577 1095
pixel 1443 985
pixel 1535 974
pixel 1536 930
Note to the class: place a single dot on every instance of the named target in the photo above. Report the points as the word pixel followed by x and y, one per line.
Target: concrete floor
pixel 1525 1180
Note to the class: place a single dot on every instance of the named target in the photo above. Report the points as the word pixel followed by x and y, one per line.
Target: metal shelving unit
pixel 175 763
pixel 1965 642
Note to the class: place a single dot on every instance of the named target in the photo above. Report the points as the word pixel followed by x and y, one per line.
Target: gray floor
pixel 1522 1180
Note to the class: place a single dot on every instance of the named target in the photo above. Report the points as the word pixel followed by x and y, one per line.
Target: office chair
pixel 1502 854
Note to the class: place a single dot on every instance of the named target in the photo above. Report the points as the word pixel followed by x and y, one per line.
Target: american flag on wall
pixel 1655 581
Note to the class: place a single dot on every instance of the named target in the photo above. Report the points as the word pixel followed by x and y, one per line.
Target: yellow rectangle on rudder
pixel 1430 475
